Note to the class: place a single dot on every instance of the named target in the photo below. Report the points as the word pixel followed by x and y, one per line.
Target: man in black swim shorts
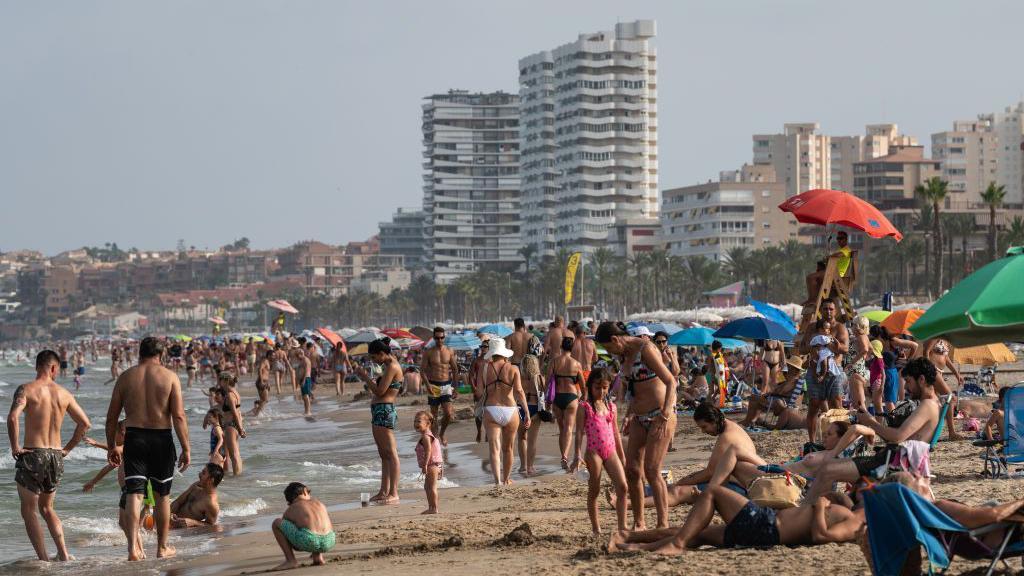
pixel 150 396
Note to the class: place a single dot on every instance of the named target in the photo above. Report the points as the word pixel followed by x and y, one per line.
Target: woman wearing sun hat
pixel 502 393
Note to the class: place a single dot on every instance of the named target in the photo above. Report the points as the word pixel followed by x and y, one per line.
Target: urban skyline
pixel 318 136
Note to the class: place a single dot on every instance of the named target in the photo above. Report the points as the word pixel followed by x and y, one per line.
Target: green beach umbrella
pixel 876 316
pixel 985 307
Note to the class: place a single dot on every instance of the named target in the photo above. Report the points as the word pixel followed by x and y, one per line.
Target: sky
pixel 145 123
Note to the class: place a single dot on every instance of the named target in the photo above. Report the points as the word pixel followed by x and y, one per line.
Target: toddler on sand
pixel 428 456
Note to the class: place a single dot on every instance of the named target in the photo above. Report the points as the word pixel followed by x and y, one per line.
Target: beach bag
pixel 550 396
pixel 777 491
pixel 899 414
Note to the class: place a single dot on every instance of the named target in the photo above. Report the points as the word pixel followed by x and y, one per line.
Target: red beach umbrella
pixel 398 333
pixel 283 306
pixel 332 337
pixel 836 207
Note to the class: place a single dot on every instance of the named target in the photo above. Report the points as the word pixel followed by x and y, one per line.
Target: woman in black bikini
pixel 383 417
pixel 568 376
pixel 232 421
pixel 651 392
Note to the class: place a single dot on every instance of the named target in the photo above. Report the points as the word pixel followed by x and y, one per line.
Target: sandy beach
pixel 540 524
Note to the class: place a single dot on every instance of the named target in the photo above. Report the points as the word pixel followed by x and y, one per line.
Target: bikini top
pixel 497 376
pixel 639 371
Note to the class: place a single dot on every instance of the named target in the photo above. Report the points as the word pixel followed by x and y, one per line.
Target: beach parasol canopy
pixel 825 207
pixel 755 328
pixel 422 332
pixel 331 337
pixel 900 321
pixel 774 314
pixel 876 316
pixel 457 341
pixel 398 333
pixel 985 307
pixel 499 330
pixel 701 336
pixel 364 337
pixel 666 327
pixel 217 320
pixel 283 306
pixel 984 355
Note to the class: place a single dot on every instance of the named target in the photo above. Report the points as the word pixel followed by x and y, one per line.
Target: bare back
pixel 553 340
pixel 584 351
pixel 518 342
pixel 46 402
pixel 147 392
pixel 736 437
pixel 310 514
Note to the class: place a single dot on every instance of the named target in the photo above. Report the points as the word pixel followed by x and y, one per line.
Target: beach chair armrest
pixel 987 443
pixel 982 530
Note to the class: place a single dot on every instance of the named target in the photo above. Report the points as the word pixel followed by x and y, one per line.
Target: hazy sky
pixel 146 122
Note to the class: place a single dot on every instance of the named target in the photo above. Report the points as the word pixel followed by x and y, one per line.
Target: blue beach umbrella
pixel 701 336
pixel 774 314
pixel 499 330
pixel 755 328
pixel 457 341
pixel 666 327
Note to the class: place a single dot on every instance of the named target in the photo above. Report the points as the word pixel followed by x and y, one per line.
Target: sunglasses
pixel 441 337
pixel 661 341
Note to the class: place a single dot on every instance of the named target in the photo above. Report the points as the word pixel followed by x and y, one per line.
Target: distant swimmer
pixel 150 396
pixel 39 462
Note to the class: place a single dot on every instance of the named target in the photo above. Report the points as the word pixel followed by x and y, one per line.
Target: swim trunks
pixel 753 527
pixel 829 386
pixel 39 470
pixel 305 539
pixel 80 371
pixel 384 415
pixel 439 392
pixel 63 364
pixel 149 454
pixel 307 387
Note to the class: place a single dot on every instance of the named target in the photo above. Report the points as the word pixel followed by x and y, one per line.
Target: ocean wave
pixel 246 508
pixel 6 461
pixel 271 483
pixel 352 474
pixel 416 481
pixel 86 452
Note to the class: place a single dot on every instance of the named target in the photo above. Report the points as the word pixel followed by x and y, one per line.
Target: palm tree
pixel 993 197
pixel 1014 234
pixel 933 192
pixel 601 261
pixel 440 292
pixel 914 251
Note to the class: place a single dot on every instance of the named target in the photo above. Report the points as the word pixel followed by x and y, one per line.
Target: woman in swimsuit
pixel 856 364
pixel 532 383
pixel 339 359
pixel 383 416
pixel 279 365
pixel 502 391
pixel 232 418
pixel 190 364
pixel 568 376
pixel 604 446
pixel 476 383
pixel 652 418
pixel 771 362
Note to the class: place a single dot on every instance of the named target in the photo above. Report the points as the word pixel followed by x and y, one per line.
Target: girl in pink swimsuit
pixel 428 456
pixel 597 419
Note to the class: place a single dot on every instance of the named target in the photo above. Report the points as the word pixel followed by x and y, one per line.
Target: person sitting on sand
pixel 776 400
pixel 731 438
pixel 198 505
pixel 304 526
pixel 825 520
pixel 997 420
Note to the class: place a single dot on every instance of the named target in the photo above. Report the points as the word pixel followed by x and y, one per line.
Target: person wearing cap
pixel 876 373
pixel 304 526
pixel 779 398
pixel 502 392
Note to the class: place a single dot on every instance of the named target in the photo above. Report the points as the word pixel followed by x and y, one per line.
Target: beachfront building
pixel 967 156
pixel 1009 128
pixel 589 138
pixel 632 236
pixel 803 159
pixel 470 183
pixel 403 236
pixel 738 210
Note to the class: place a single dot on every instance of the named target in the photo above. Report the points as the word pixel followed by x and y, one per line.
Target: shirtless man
pixel 920 376
pixel 198 505
pixel 62 350
pixel 584 350
pixel 150 396
pixel 937 350
pixel 262 369
pixel 519 342
pixel 306 366
pixel 553 341
pixel 747 525
pixel 39 461
pixel 441 370
pixel 731 437
pixel 820 394
pixel 304 526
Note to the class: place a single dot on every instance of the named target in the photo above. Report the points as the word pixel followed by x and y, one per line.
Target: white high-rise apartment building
pixel 968 158
pixel 471 183
pixel 589 138
pixel 1009 128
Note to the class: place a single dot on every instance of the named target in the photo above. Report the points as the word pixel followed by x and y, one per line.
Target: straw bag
pixel 777 490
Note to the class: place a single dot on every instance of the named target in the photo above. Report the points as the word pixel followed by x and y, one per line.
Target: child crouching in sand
pixel 304 526
pixel 428 456
pixel 597 419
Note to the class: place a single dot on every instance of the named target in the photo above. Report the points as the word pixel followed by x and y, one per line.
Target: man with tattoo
pixel 40 460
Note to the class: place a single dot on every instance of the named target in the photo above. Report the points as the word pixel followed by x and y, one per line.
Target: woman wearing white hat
pixel 502 391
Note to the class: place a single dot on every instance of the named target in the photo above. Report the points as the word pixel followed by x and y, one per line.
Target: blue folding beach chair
pixel 899 520
pixel 998 453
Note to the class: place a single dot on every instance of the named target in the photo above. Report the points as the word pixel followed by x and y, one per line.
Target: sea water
pixel 336 460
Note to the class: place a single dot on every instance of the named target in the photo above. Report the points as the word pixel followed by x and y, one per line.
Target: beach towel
pixel 898 521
